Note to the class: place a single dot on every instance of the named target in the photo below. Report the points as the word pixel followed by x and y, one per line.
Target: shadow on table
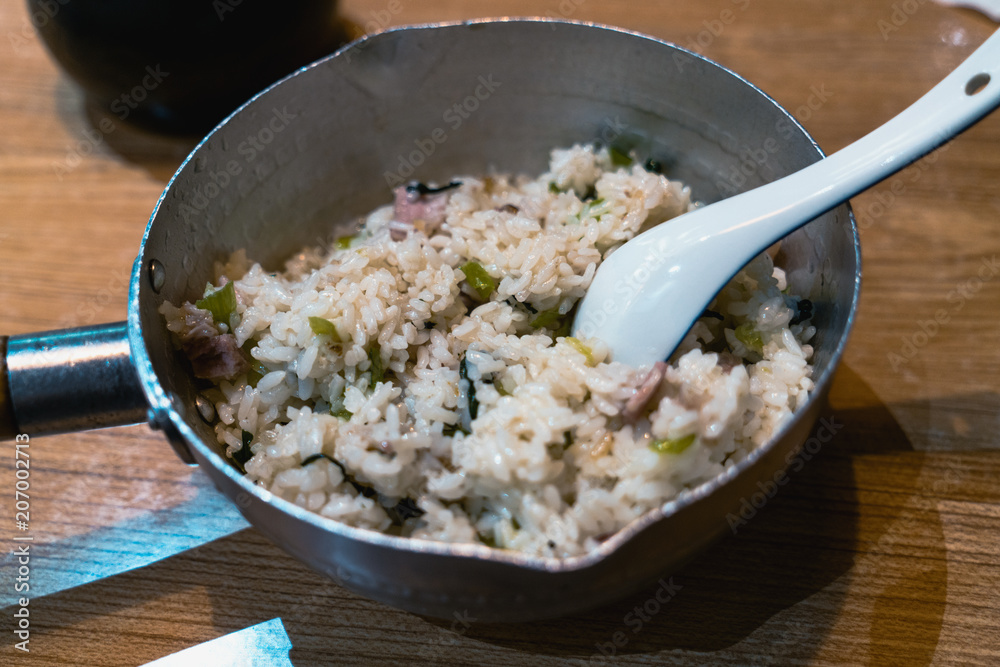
pixel 778 586
pixel 775 589
pixel 97 131
pixel 159 154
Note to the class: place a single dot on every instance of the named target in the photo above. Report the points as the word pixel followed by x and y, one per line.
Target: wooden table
pixel 883 550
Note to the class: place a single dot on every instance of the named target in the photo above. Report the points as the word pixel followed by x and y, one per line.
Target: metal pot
pixel 301 160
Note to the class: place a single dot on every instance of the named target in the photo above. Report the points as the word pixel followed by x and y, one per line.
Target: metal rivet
pixel 157 275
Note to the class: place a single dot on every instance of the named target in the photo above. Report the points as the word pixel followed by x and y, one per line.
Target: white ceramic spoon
pixel 647 294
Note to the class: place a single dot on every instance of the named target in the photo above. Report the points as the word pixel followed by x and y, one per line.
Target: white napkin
pixel 990 8
pixel 263 645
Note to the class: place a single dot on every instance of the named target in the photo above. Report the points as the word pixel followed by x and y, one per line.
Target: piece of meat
pixel 213 356
pixel 417 208
pixel 647 388
pixel 216 357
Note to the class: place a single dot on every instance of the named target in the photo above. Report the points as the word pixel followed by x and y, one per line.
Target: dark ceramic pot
pixel 181 66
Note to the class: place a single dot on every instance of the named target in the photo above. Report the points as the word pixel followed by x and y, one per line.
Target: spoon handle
pixel 963 97
pixel 648 292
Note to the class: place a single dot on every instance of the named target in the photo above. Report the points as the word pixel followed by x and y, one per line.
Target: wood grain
pixel 882 550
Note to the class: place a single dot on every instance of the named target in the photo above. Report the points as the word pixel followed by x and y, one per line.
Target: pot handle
pixel 68 380
pixel 8 425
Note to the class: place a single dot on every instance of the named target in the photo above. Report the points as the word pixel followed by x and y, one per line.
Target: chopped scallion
pixel 594 209
pixel 378 371
pixel 479 280
pixel 583 349
pixel 619 157
pixel 749 336
pixel 257 369
pixel 547 318
pixel 324 327
pixel 220 302
pixel 253 377
pixel 673 445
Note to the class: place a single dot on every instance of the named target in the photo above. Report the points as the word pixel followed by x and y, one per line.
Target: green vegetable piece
pixel 595 208
pixel 324 327
pixel 554 189
pixel 547 318
pixel 452 429
pixel 338 410
pixel 378 371
pixel 673 446
pixel 344 242
pixel 479 280
pixel 257 369
pixel 565 327
pixel 583 349
pixel 253 377
pixel 619 157
pixel 749 336
pixel 220 302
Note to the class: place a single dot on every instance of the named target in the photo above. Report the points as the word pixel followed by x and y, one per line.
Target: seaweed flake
pixel 404 509
pixel 653 166
pixel 803 311
pixel 244 454
pixel 463 373
pixel 514 303
pixel 420 189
